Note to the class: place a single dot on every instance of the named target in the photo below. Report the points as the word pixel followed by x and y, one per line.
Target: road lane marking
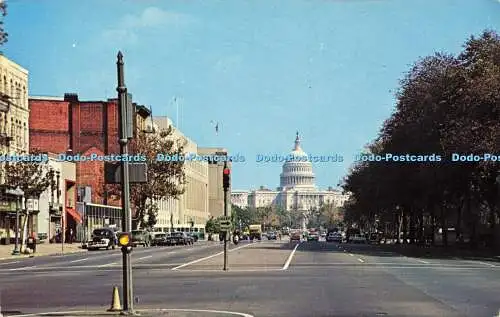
pixel 80 260
pixel 289 260
pixel 109 264
pixel 145 257
pixel 209 257
pixel 234 270
pixel 422 261
pixel 23 268
pixel 86 312
pixel 6 263
pixel 361 260
pixel 484 263
pixel 79 267
pixel 351 254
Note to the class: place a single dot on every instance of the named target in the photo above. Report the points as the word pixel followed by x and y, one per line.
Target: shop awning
pixel 74 214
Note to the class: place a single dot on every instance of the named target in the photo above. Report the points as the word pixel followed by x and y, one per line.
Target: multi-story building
pixel 239 198
pixel 69 125
pixel 58 200
pixel 191 210
pixel 297 191
pixel 14 116
pixel 215 188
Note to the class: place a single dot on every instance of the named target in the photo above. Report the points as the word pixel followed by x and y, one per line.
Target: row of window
pixel 15 90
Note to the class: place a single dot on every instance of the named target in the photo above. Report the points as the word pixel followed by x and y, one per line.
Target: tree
pixel 243 215
pixel 211 226
pixel 166 179
pixel 3 13
pixel 446 104
pixel 32 177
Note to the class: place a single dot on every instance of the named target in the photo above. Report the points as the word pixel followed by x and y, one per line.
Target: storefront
pixel 7 221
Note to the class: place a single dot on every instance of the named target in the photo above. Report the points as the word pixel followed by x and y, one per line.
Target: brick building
pixel 68 125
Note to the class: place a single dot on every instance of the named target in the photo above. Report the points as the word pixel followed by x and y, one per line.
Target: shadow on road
pixel 408 250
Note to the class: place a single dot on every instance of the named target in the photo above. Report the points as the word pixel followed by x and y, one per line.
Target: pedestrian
pixel 71 235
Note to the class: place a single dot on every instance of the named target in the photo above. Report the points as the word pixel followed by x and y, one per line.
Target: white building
pixel 297 191
pixel 190 212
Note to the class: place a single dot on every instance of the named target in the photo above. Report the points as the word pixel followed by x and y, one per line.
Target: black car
pixel 141 237
pixel 334 237
pixel 180 238
pixel 159 239
pixel 103 238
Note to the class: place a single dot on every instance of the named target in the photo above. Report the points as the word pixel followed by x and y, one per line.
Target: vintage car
pixel 103 238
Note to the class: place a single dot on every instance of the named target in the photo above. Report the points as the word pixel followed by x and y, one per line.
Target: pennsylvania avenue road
pixel 268 278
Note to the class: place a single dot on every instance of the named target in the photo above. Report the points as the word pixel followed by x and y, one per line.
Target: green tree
pixel 243 215
pixel 446 104
pixel 165 179
pixel 32 177
pixel 211 226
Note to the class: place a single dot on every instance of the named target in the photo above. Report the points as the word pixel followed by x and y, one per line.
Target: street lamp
pixel 18 193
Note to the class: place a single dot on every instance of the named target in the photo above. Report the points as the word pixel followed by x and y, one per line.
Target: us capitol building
pixel 297 191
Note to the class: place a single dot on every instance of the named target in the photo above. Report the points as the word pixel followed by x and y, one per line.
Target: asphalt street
pixel 268 278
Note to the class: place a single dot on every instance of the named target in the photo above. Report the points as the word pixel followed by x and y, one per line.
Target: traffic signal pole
pixel 128 305
pixel 225 177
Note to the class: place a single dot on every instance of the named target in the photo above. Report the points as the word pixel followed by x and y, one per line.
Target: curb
pixel 26 256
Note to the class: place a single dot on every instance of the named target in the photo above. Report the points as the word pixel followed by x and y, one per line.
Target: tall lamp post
pixel 128 306
pixel 19 194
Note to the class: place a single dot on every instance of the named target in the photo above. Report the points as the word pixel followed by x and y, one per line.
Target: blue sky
pixel 264 69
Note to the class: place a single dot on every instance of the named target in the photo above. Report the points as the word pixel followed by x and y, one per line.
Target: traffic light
pixel 226 178
pixel 125 241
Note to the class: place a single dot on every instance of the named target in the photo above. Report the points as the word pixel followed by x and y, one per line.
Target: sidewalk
pixel 41 249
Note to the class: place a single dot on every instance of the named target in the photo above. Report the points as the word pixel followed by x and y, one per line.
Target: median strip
pixel 208 257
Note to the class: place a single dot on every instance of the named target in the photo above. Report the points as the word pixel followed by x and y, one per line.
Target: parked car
pixel 159 239
pixel 194 236
pixel 313 236
pixel 295 236
pixel 180 238
pixel 103 238
pixel 334 237
pixel 358 238
pixel 141 237
pixel 190 237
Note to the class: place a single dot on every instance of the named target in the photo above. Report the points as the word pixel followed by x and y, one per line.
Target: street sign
pixel 138 173
pixel 225 223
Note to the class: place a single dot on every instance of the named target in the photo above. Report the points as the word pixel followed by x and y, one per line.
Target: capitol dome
pixel 297 171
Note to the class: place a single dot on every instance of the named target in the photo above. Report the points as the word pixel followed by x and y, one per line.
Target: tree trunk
pixel 433 225
pixel 400 227
pixel 444 226
pixel 420 233
pixel 472 222
pixel 458 225
pixel 24 233
pixel 405 226
pixel 413 225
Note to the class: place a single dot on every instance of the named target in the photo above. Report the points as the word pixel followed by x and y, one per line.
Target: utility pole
pixel 226 176
pixel 128 306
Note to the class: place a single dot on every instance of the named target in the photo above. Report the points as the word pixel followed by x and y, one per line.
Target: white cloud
pixel 123 36
pixel 125 32
pixel 154 17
